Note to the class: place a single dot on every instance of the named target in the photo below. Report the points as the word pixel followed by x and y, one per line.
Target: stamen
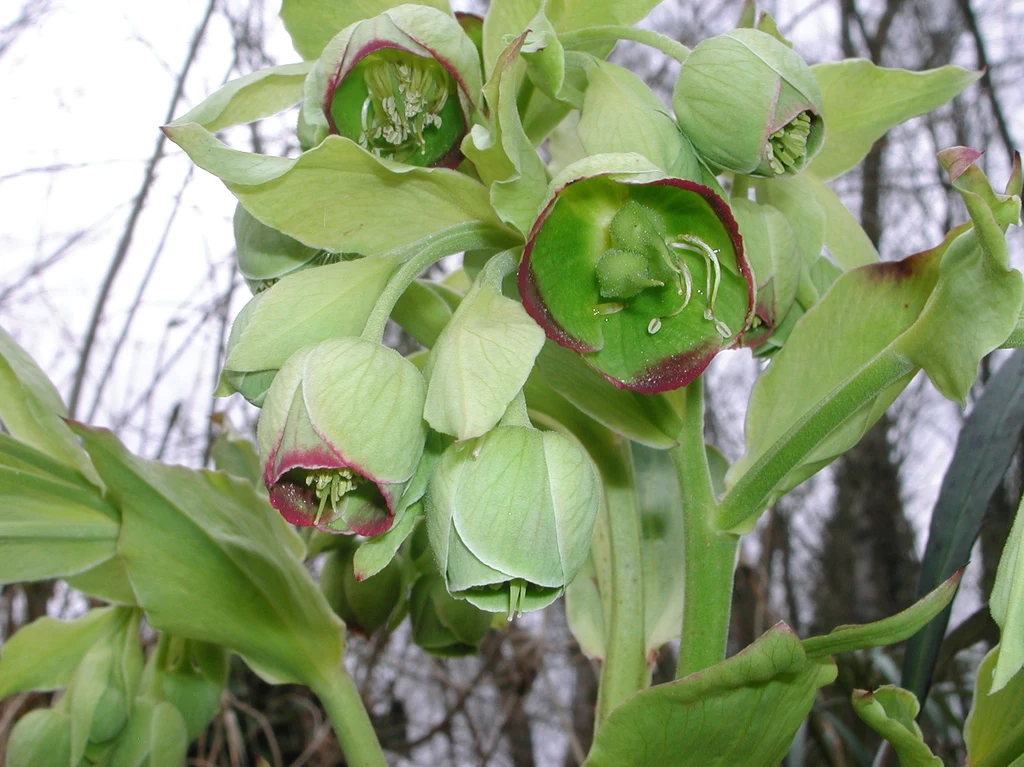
pixel 787 146
pixel 331 485
pixel 694 244
pixel 602 310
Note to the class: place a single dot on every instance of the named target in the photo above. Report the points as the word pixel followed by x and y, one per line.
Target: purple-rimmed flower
pixel 403 85
pixel 642 275
pixel 340 434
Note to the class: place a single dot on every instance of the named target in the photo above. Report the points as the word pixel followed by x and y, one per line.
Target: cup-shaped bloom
pixel 365 605
pixel 340 434
pixel 403 85
pixel 265 255
pixel 645 277
pixel 750 104
pixel 510 520
pixel 441 624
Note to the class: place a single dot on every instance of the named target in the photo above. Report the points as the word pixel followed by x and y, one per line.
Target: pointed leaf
pixel 482 358
pixel 252 97
pixel 183 530
pixel 887 631
pixel 863 101
pixel 32 411
pixel 845 237
pixel 984 449
pixel 331 197
pixel 745 710
pixel 890 711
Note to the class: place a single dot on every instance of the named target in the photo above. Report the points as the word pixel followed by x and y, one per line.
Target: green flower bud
pixel 510 519
pixel 40 737
pixel 403 85
pixel 340 434
pixel 156 736
pixel 193 676
pixel 442 625
pixel 644 275
pixel 365 605
pixel 265 255
pixel 750 105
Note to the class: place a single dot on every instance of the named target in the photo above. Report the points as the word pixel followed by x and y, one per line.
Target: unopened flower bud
pixel 750 104
pixel 443 625
pixel 366 606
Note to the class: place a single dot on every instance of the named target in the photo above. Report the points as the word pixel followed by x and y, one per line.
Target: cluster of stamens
pixel 405 98
pixel 330 486
pixel 788 145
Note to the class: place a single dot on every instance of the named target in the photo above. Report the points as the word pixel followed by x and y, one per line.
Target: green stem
pixel 416 257
pixel 351 722
pixel 625 665
pixel 1007 750
pixel 752 492
pixel 650 38
pixel 740 187
pixel 709 556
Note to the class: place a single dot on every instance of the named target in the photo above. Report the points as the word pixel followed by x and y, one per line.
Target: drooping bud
pixel 442 625
pixel 750 105
pixel 643 275
pixel 265 255
pixel 368 605
pixel 510 518
pixel 192 678
pixel 341 433
pixel 403 85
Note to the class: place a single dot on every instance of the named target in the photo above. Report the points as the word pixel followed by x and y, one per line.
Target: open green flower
pixel 750 104
pixel 510 520
pixel 340 434
pixel 643 275
pixel 403 85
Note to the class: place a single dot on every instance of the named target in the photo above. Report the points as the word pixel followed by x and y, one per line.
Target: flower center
pixel 331 485
pixel 405 96
pixel 646 257
pixel 787 147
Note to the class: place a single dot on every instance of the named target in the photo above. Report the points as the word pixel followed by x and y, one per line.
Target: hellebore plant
pixel 547 437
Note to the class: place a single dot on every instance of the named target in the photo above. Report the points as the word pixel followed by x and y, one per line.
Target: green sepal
pixel 745 710
pixel 364 604
pixel 374 554
pixel 156 736
pixel 191 676
pixel 442 625
pixel 993 727
pixel 890 711
pixel 40 737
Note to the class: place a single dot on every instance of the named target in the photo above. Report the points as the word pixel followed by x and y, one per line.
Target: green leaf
pixel 887 631
pixel 844 236
pixel 863 101
pixel 376 553
pixel 744 710
pixel 890 711
pixel 51 529
pixel 44 654
pixel 503 155
pixel 1007 605
pixel 184 530
pixel 986 445
pixel 306 308
pixel 312 23
pixel 482 358
pixel 237 456
pixel 799 203
pixel 993 732
pixel 645 418
pixel 32 411
pixel 621 114
pixel 331 197
pixel 252 97
pixel 512 17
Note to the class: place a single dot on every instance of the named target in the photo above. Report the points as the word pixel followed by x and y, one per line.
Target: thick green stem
pixel 1007 751
pixel 625 665
pixel 416 257
pixel 752 492
pixel 709 557
pixel 351 722
pixel 672 48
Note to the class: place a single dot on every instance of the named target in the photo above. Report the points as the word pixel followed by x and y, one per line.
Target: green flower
pixel 750 105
